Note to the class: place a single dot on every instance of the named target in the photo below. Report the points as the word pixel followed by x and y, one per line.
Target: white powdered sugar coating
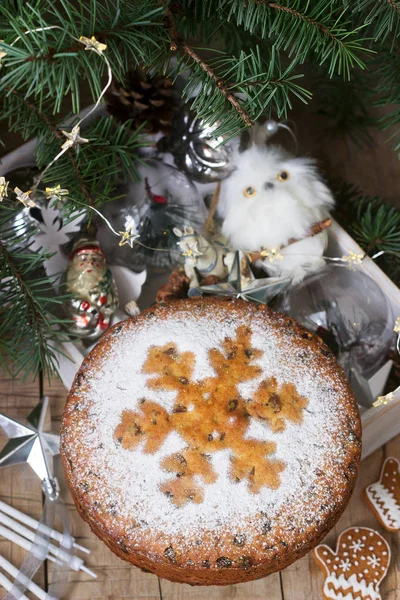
pixel 130 479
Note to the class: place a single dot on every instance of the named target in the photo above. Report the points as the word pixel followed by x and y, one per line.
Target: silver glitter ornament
pixel 28 443
pixel 203 157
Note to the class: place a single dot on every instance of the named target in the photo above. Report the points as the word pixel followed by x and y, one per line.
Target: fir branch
pixel 304 28
pixel 180 44
pixel 373 223
pixel 111 154
pixel 56 63
pixel 221 85
pixel 345 104
pixel 58 135
pixel 325 30
pixel 383 17
pixel 29 327
pixel 388 92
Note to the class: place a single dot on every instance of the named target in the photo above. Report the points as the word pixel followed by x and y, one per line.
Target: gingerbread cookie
pixel 384 495
pixel 360 563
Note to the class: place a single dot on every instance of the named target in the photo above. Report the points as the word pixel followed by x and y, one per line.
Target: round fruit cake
pixel 210 441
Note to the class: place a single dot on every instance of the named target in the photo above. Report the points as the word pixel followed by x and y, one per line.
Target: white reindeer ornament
pixel 202 257
pixel 271 202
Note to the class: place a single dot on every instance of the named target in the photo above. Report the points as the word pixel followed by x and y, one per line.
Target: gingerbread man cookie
pixel 384 495
pixel 360 563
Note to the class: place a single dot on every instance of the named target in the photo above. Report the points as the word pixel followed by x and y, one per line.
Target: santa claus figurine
pixel 94 296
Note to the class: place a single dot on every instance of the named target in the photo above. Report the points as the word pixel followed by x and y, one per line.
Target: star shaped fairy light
pixel 241 283
pixel 352 258
pixel 56 192
pixel 3 188
pixel 28 443
pixel 25 198
pixel 93 44
pixel 2 53
pixel 190 249
pixel 382 400
pixel 397 325
pixel 271 254
pixel 73 138
pixel 128 237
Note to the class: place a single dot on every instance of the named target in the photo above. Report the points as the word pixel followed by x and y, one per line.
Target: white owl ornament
pixel 277 204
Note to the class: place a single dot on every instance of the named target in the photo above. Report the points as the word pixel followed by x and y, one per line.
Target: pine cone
pixel 176 287
pixel 143 99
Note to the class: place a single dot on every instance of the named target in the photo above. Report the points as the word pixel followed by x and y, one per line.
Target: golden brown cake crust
pixel 299 390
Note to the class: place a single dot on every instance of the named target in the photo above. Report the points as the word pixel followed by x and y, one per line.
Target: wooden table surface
pixel 117 580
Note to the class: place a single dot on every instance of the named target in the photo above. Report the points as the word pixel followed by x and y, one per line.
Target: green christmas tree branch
pixel 373 223
pixel 30 328
pixel 30 128
pixel 180 44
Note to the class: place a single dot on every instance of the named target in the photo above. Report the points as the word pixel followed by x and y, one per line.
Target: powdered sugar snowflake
pixel 208 431
pixel 374 561
pixel 345 565
pixel 357 545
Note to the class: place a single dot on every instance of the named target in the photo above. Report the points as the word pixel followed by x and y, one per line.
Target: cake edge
pixel 187 573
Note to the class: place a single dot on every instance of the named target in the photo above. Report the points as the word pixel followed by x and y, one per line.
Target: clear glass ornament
pixel 164 198
pixel 349 311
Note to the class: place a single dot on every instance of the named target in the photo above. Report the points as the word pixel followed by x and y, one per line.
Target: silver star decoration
pixel 241 283
pixel 28 443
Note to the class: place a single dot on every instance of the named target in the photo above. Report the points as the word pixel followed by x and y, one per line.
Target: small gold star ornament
pixel 2 53
pixel 271 254
pixel 382 400
pixel 397 325
pixel 190 250
pixel 3 188
pixel 128 237
pixel 352 258
pixel 73 138
pixel 93 44
pixel 25 198
pixel 56 192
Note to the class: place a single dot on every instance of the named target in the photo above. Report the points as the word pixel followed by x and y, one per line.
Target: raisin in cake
pixel 210 441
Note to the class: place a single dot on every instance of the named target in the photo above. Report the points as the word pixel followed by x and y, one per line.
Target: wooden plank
pixel 304 579
pixel 116 579
pixel 391 587
pixel 263 589
pixel 19 486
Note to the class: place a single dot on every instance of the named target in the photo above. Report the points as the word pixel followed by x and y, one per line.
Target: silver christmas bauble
pixel 203 157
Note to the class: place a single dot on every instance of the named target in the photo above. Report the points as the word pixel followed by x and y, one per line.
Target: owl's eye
pixel 282 176
pixel 249 192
